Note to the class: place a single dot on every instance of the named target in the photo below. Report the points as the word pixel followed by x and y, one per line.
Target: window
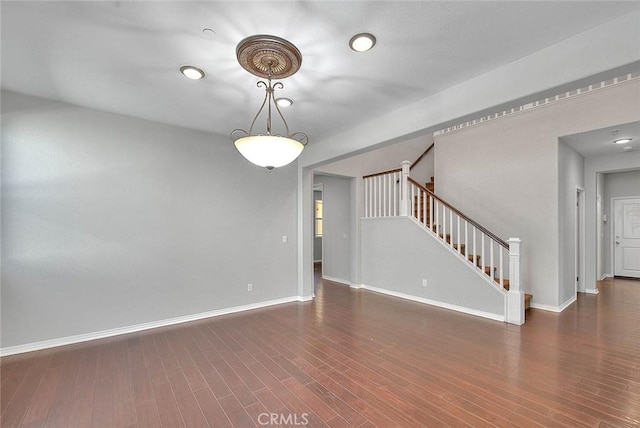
pixel 318 218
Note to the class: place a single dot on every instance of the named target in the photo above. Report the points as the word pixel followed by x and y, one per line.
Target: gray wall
pixel 616 185
pixel 337 223
pixel 570 176
pixel 504 173
pixel 397 255
pixel 110 221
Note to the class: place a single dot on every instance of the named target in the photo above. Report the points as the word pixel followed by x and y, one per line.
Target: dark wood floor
pixel 348 359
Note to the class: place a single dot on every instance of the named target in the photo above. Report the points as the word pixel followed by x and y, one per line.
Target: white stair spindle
pixel 450 227
pixel 466 238
pixel 475 259
pixel 366 197
pixel 375 196
pixel 458 234
pixel 424 197
pixel 385 195
pixel 444 222
pixel 430 212
pixel 501 275
pixel 492 264
pixel 482 258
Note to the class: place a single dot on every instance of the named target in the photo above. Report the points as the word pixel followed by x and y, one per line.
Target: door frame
pixel 580 225
pixel 612 230
pixel 317 187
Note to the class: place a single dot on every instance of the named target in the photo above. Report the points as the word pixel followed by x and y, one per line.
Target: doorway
pixel 626 237
pixel 317 228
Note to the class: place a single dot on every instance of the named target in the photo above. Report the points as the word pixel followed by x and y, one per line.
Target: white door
pixel 627 237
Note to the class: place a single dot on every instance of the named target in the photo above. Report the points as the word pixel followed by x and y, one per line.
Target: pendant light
pixel 269 57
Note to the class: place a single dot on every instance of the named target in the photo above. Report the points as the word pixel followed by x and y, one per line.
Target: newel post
pixel 404 189
pixel 515 296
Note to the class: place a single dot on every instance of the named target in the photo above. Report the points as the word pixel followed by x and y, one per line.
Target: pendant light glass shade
pixel 269 151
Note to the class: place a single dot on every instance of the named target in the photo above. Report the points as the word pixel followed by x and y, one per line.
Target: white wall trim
pixel 304 298
pixel 605 276
pixel 592 291
pixel 495 317
pixel 550 308
pixel 69 340
pixel 356 286
pixel 334 279
pixel 543 102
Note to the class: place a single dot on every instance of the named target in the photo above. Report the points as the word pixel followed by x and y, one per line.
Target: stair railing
pixel 382 193
pixel 394 193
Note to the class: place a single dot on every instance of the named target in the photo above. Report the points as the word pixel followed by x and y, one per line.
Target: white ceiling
pixel 123 57
pixel 600 141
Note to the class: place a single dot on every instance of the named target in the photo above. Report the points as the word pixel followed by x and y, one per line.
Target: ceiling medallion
pixel 262 54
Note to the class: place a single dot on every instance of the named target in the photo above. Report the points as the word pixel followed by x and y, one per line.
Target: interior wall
pixel 401 269
pixel 110 221
pixel 337 224
pixel 616 185
pixel 503 173
pixel 571 176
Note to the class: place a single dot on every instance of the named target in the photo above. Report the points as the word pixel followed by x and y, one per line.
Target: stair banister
pixel 461 214
pixel 422 156
pixel 405 201
pixel 388 190
pixel 515 297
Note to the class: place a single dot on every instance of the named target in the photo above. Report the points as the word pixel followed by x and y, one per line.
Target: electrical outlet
pixel 424 282
pixel 249 287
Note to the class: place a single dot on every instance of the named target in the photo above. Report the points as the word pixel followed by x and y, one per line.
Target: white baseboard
pixel 305 298
pixel 340 280
pixel 545 307
pixel 69 340
pixel 550 308
pixel 566 304
pixel 592 291
pixel 489 315
pixel 605 276
pixel 356 286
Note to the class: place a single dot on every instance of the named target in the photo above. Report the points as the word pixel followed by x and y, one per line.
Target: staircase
pixel 394 193
pixel 424 217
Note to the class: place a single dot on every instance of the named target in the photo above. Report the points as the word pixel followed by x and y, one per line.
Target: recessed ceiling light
pixel 622 141
pixel 284 102
pixel 362 42
pixel 192 72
